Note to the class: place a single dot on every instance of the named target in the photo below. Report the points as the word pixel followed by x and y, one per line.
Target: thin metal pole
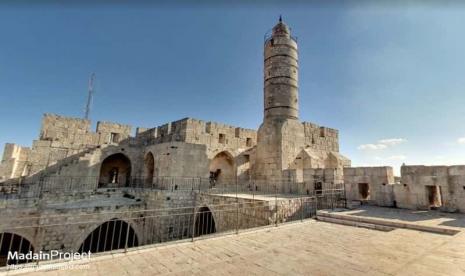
pixel 301 209
pixel 39 245
pixel 253 190
pixel 113 234
pixel 90 243
pixel 127 236
pixel 276 203
pixel 106 236
pixel 9 247
pixel 193 216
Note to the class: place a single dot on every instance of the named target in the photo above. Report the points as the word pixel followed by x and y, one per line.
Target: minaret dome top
pixel 281 29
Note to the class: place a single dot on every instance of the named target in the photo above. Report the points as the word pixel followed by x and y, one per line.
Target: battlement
pixel 321 138
pixel 56 127
pixel 75 132
pixel 196 131
pixel 62 136
pixel 13 161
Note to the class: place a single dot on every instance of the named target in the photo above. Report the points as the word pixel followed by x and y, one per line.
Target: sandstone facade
pixel 277 153
pixel 74 180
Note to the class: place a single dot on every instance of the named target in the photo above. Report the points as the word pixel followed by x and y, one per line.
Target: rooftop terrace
pixel 301 248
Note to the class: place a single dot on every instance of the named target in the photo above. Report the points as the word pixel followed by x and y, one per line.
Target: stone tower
pixel 281 87
pixel 281 135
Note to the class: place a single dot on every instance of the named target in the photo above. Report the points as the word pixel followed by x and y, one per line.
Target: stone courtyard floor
pixel 427 218
pixel 301 248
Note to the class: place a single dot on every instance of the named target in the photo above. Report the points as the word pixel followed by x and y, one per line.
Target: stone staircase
pixel 339 217
pixel 58 168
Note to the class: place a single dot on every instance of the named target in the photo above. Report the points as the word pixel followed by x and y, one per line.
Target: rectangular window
pixel 222 138
pixel 114 137
pixel 248 142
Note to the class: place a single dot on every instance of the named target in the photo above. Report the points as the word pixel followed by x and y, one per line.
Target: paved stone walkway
pixel 308 248
pixel 428 218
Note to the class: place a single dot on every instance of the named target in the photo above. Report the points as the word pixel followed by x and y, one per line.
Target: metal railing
pixel 38 187
pixel 107 231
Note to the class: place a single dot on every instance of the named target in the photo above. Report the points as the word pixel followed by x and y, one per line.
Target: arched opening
pixel 149 168
pixel 115 171
pixel 10 242
pixel 204 222
pixel 111 235
pixel 222 170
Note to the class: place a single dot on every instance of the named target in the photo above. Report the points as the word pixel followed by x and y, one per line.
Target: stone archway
pixel 222 169
pixel 10 242
pixel 149 168
pixel 204 222
pixel 115 171
pixel 110 235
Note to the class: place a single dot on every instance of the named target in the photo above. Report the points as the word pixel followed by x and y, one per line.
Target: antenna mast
pixel 89 96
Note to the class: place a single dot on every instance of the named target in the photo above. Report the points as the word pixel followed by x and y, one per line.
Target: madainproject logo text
pixel 46 256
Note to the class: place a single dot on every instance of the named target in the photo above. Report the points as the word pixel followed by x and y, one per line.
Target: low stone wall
pixel 449 181
pixel 378 180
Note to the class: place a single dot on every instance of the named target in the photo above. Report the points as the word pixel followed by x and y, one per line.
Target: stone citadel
pixel 71 171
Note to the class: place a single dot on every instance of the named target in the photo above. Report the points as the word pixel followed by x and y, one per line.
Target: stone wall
pixel 62 137
pixel 232 213
pixel 279 142
pixel 420 187
pixel 214 135
pixel 155 216
pixel 417 183
pixel 184 148
pixel 370 184
pixel 112 133
pixel 176 159
pixel 14 161
pixel 321 138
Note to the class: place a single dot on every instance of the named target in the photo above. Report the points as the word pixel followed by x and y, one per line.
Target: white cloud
pixel 372 147
pixel 461 140
pixel 392 141
pixel 383 144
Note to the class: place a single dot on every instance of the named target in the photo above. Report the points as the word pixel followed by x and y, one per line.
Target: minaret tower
pixel 281 70
pixel 281 135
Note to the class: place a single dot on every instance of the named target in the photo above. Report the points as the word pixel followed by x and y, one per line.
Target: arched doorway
pixel 10 242
pixel 115 171
pixel 111 235
pixel 222 169
pixel 204 222
pixel 149 167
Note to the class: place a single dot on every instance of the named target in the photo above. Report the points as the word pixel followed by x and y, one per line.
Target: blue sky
pixel 390 78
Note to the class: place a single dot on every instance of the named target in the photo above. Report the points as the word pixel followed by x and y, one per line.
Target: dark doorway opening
pixel 318 188
pixel 364 191
pixel 204 222
pixel 222 170
pixel 10 242
pixel 115 171
pixel 149 168
pixel 434 196
pixel 111 235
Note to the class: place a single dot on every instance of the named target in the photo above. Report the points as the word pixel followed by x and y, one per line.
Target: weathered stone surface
pixel 309 248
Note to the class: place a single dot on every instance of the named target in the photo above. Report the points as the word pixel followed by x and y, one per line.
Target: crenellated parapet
pixel 188 130
pixel 321 138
